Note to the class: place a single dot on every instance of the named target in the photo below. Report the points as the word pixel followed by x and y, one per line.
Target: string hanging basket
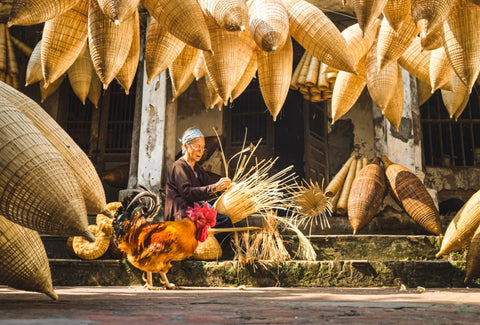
pixel 396 11
pixel 80 75
pixel 34 67
pixel 118 10
pixel 394 110
pixel 231 15
pixel 358 42
pixel 91 250
pixel 24 263
pixel 31 12
pixel 246 78
pixel 367 11
pixel 473 258
pixel 95 91
pixel 430 14
pixel 84 172
pixel 440 69
pixel 181 69
pixel 63 40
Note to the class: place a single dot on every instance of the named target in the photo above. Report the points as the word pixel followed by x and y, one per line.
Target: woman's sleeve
pixel 187 190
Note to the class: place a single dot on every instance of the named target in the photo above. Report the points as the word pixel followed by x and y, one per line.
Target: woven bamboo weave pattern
pixel 95 91
pixel 208 250
pixel 454 99
pixel 31 12
pixel 440 69
pixel 118 10
pixel 395 11
pixel 246 78
pixel 80 75
pixel 34 68
pixel 430 14
pixel 91 250
pixel 393 111
pixel 200 68
pixel 358 43
pixel 231 15
pixel 432 40
pixel 367 11
pixel 473 257
pixel 181 69
pixel 416 61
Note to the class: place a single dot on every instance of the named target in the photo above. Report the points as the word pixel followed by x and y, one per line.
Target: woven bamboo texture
pixel 95 91
pixel 393 43
pixel 454 99
pixel 274 75
pixel 80 75
pixel 208 250
pixel 473 258
pixel 462 41
pixel 31 12
pixel 462 107
pixel 432 40
pixel 366 195
pixel 118 10
pixel 37 188
pixel 246 78
pixel 161 49
pixel 394 110
pixel 416 61
pixel 424 92
pixel 205 92
pixel 395 11
pixel 310 27
pixel 177 92
pixel 200 68
pixel 24 263
pixel 268 21
pixel 342 204
pixel 83 169
pixel 461 229
pixel 48 90
pixel 413 195
pixel 337 181
pixel 441 70
pixel 380 84
pixel 173 15
pixel 359 43
pixel 367 11
pixel 181 69
pixel 231 15
pixel 109 44
pixel 63 39
pixel 91 250
pixel 129 69
pixel 34 67
pixel 430 14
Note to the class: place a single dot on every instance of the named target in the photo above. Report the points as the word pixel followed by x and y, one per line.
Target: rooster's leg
pixel 167 284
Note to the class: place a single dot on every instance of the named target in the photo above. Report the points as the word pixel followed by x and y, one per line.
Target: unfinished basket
pixel 181 69
pixel 63 40
pixel 34 68
pixel 358 42
pixel 118 10
pixel 430 14
pixel 413 195
pixel 454 99
pixel 441 70
pixel 396 11
pixel 24 263
pixel 366 195
pixel 473 258
pixel 31 12
pixel 231 15
pixel 91 250
pixel 394 110
pixel 246 78
pixel 80 75
pixel 367 11
pixel 342 204
pixel 83 169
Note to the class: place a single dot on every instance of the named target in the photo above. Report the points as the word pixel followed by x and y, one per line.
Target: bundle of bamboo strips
pixel 8 62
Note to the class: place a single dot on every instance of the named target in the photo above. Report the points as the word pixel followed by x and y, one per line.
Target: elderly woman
pixel 188 183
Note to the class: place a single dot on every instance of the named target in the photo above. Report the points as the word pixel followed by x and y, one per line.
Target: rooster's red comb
pixel 208 214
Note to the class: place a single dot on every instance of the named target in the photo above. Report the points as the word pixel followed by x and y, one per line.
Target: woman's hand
pixel 223 184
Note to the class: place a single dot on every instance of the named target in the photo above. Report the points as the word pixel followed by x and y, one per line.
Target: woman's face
pixel 195 149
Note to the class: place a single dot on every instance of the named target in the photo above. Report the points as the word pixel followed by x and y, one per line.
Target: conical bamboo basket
pixel 205 92
pixel 366 195
pixel 184 19
pixel 91 250
pixel 337 181
pixel 46 91
pixel 274 75
pixel 63 39
pixel 95 90
pixel 37 188
pixel 462 107
pixel 161 49
pixel 268 21
pixel 394 110
pixel 118 10
pixel 127 73
pixel 246 78
pixel 462 41
pixel 440 69
pixel 393 43
pixel 24 48
pixel 430 14
pixel 367 11
pixel 424 92
pixel 3 52
pixel 231 15
pixel 358 42
pixel 31 12
pixel 312 73
pixel 80 75
pixel 34 68
pixel 318 35
pixel 24 263
pixel 296 72
pixel 200 68
pixel 176 92
pixel 81 166
pixel 342 204
pixel 381 85
pixel 348 87
pixel 461 229
pixel 432 40
pixel 396 11
pixel 109 44
pixel 473 258
pixel 181 69
pixel 413 195
pixel 454 99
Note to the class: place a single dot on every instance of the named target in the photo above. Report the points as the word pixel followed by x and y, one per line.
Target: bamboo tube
pixel 200 68
pixel 358 43
pixel 343 200
pixel 396 11
pixel 296 73
pixel 454 99
pixel 246 78
pixel 118 10
pixel 312 74
pixel 441 70
pixel 322 82
pixel 3 52
pixel 31 12
pixel 24 48
pixel 268 22
pixel 430 14
pixel 367 11
pixel 302 77
pixel 231 15
pixel 394 110
pixel 337 181
pixel 34 67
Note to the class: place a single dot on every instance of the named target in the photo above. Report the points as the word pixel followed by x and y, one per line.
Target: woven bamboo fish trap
pixel 205 92
pixel 337 181
pixel 441 70
pixel 173 15
pixel 413 195
pixel 394 110
pixel 461 229
pixel 83 169
pixel 129 69
pixel 161 49
pixel 367 11
pixel 462 107
pixel 37 188
pixel 432 40
pixel 274 75
pixel 31 12
pixel 424 92
pixel 181 69
pixel 176 92
pixel 454 99
pixel 231 15
pixel 80 75
pixel 109 44
pixel 380 84
pixel 24 48
pixel 24 263
pixel 268 21
pixel 366 195
pixel 393 43
pixel 200 68
pixel 246 78
pixel 358 42
pixel 310 27
pixel 63 40
pixel 95 91
pixel 233 51
pixel 34 67
pixel 473 258
pixel 118 10
pixel 91 250
pixel 430 14
pixel 395 11
pixel 462 41
pixel 47 91
pixel 342 204
pixel 348 88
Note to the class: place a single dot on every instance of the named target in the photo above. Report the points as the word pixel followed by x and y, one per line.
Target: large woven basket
pixel 31 12
pixel 34 68
pixel 268 21
pixel 441 70
pixel 274 75
pixel 161 49
pixel 24 263
pixel 181 70
pixel 231 15
pixel 118 10
pixel 83 169
pixel 246 78
pixel 413 195
pixel 367 11
pixel 209 249
pixel 184 19
pixel 109 44
pixel 366 195
pixel 462 41
pixel 430 14
pixel 80 75
pixel 396 11
pixel 454 99
pixel 358 42
pixel 473 258
pixel 318 35
pixel 394 110
pixel 342 204
pixel 91 250
pixel 63 40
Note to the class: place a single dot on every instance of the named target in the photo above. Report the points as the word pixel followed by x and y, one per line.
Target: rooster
pixel 152 246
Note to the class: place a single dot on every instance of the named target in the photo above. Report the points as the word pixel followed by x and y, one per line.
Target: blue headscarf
pixel 189 135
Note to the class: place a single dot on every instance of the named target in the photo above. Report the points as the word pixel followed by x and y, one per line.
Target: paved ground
pixel 128 305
